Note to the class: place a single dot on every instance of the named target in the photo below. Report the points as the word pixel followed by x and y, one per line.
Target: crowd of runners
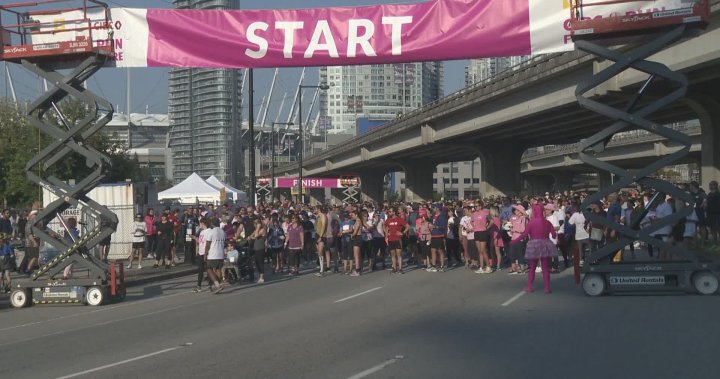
pixel 516 235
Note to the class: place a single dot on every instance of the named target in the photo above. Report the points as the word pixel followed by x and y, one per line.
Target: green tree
pixel 21 142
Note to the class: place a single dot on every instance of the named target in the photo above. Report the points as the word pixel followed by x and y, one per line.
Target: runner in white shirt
pixel 215 255
pixel 581 235
pixel 200 251
pixel 138 240
pixel 467 234
pixel 550 216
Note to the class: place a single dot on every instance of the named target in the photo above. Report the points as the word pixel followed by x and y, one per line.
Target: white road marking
pixel 124 362
pixel 375 369
pixel 512 299
pixel 357 294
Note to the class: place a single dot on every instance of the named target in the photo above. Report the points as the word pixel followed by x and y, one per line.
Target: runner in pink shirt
pixel 517 226
pixel 481 221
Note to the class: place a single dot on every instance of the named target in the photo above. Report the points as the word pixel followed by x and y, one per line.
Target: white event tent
pixel 192 190
pixel 237 194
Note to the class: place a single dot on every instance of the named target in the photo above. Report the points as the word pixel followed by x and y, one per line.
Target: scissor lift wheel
pixel 20 298
pixel 593 284
pixel 706 283
pixel 95 296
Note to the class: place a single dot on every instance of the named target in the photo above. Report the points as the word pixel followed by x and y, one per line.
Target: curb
pixel 177 273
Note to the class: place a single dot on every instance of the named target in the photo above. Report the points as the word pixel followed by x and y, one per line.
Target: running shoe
pixel 488 270
pixel 139 267
pixel 219 289
pixel 261 281
pixel 480 271
pixel 128 267
pixel 319 274
pixel 197 289
pixel 355 273
pixel 442 269
pixel 432 269
pixel 400 271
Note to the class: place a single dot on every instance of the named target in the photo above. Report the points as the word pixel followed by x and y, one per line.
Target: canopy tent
pixel 237 194
pixel 192 190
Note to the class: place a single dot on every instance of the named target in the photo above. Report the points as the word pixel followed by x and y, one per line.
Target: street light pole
pixel 301 194
pixel 300 198
pixel 272 157
pixel 251 131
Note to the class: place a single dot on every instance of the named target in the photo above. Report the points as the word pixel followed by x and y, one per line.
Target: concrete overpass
pixel 557 166
pixel 532 106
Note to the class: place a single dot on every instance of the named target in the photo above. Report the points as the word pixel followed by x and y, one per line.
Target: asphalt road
pixel 455 324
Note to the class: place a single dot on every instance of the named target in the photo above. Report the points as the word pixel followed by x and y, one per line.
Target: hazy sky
pixel 149 85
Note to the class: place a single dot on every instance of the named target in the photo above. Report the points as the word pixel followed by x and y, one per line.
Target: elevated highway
pixel 532 106
pixel 556 167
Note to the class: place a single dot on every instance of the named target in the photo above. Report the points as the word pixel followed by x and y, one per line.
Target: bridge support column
pixel 371 184
pixel 500 169
pixel 419 180
pixel 563 181
pixel 316 195
pixel 604 179
pixel 707 109
pixel 540 184
pixel 335 195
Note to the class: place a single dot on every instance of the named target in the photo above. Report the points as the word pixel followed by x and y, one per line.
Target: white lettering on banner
pixel 322 30
pixel 363 40
pixel 396 34
pixel 289 27
pixel 262 43
pixel 323 38
pixel 637 280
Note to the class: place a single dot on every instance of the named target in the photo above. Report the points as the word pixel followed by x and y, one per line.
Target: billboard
pixel 363 125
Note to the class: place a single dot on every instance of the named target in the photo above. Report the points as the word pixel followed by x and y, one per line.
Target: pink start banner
pixel 428 31
pixel 286 182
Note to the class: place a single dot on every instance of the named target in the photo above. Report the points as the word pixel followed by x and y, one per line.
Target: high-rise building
pixel 487 68
pixel 377 92
pixel 205 116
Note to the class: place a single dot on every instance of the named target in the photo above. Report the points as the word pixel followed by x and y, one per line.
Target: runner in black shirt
pixel 712 211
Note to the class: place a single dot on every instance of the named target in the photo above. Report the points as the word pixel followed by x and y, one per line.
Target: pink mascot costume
pixel 539 247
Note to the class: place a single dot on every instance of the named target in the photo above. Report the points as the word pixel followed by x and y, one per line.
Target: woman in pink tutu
pixel 539 247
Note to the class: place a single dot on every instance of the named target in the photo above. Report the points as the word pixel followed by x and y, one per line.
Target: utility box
pixel 123 199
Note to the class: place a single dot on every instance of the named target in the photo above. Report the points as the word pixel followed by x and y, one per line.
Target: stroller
pixel 238 267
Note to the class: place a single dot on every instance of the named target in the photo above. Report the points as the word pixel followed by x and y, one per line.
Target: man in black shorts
pixel 712 211
pixel 437 240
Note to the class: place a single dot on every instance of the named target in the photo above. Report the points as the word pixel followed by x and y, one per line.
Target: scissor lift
pixel 69 41
pixel 596 25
